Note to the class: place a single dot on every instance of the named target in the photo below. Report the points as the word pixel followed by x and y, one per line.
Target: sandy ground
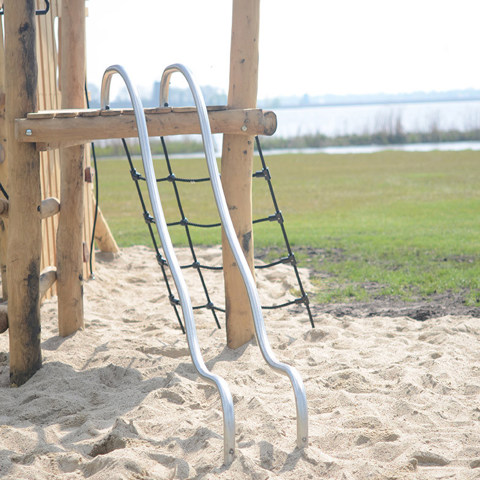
pixel 389 398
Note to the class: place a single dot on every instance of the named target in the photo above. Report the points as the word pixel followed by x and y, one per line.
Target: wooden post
pixel 24 239
pixel 70 222
pixel 237 164
pixel 3 169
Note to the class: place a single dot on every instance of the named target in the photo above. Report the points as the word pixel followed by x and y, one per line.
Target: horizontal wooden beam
pixel 47 278
pixel 49 207
pixel 60 128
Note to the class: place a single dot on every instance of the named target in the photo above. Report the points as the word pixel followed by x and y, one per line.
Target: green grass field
pixel 393 225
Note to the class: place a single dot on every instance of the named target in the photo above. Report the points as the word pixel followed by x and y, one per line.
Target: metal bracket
pixel 38 12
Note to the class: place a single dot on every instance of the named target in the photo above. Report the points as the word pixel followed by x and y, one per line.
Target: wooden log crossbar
pixel 60 128
pixel 49 207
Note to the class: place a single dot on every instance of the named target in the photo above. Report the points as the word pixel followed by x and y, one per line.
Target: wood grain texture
pixel 48 98
pixel 24 239
pixel 72 161
pixel 55 129
pixel 237 164
pixel 3 169
pixel 47 279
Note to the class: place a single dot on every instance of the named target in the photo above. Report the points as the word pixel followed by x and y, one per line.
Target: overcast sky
pixel 306 46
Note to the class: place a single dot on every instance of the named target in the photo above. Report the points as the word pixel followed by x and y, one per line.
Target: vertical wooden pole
pixel 24 239
pixel 237 164
pixel 3 170
pixel 70 222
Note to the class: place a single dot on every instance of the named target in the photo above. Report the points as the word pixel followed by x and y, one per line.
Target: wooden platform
pixel 51 129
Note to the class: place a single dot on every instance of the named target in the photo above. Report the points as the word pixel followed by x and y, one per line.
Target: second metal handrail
pixel 260 331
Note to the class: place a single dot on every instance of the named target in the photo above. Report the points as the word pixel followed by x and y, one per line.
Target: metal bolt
pixel 28 132
pixel 244 128
pixel 231 451
pixel 304 439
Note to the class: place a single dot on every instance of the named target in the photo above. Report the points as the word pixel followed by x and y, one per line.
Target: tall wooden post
pixel 24 239
pixel 237 164
pixel 3 170
pixel 70 222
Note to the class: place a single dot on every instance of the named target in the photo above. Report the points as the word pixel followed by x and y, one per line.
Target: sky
pixel 313 47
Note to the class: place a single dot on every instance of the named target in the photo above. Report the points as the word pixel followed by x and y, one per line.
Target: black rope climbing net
pixel 277 216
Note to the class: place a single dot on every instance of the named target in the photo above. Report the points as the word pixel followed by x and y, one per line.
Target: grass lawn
pixel 400 225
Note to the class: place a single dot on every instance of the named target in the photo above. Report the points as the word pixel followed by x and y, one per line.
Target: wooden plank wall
pixel 3 167
pixel 49 98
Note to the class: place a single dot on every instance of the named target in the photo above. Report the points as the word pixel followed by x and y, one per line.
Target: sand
pixel 389 398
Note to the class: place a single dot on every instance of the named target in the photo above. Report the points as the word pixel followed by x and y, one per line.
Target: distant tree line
pixel 187 145
pixel 319 140
pixel 389 131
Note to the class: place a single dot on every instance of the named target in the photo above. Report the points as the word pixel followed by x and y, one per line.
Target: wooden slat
pixel 158 110
pixel 89 112
pixel 66 114
pixel 216 108
pixel 49 101
pixel 46 114
pixel 63 113
pixel 94 112
pixel 88 202
pixel 49 104
pixel 57 131
pixel 3 169
pixel 184 109
pixel 112 112
pixel 45 94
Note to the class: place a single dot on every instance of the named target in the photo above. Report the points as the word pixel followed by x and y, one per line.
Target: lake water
pixel 406 147
pixel 349 119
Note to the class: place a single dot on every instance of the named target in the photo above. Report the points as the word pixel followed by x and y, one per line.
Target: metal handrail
pixel 260 331
pixel 185 302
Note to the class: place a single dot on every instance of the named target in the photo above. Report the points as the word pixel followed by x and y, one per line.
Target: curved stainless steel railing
pixel 185 302
pixel 261 334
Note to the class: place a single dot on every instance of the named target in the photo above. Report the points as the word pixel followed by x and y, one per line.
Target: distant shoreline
pixel 189 148
pixel 392 130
